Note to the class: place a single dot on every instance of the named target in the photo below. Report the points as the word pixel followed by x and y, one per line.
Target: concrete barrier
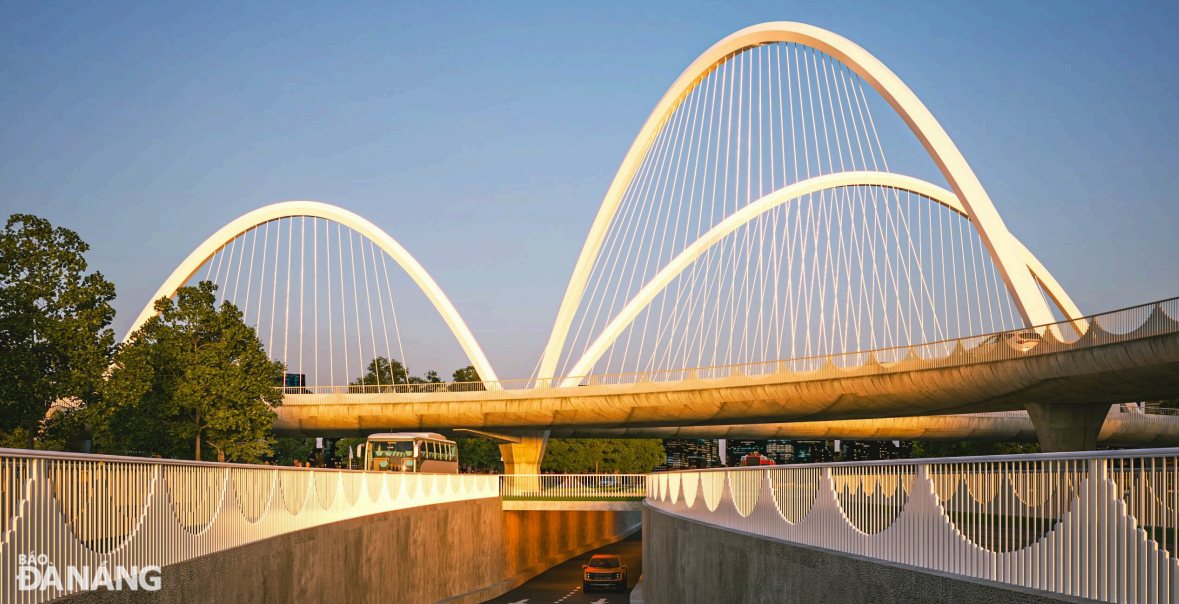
pixel 690 562
pixel 458 553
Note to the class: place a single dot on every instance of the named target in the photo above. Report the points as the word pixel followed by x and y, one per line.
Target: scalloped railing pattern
pixel 1099 525
pixel 92 510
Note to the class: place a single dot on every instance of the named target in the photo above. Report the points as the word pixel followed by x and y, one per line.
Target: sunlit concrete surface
pixel 1122 428
pixel 574 506
pixel 1143 368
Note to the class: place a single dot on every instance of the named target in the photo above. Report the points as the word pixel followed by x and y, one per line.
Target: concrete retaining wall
pixel 688 562
pixel 459 553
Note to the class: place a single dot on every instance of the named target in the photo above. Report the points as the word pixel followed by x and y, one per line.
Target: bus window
pixel 392 449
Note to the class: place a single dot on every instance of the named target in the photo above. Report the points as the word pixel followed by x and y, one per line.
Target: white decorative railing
pixel 88 511
pixel 1120 326
pixel 1103 525
pixel 574 487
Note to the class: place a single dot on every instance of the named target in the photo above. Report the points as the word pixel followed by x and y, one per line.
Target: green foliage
pixel 479 454
pixel 577 455
pixel 192 375
pixel 287 450
pixel 970 448
pixel 55 340
pixel 466 374
pixel 342 451
pixel 382 371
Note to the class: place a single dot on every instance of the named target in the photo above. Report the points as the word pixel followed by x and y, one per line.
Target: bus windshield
pixel 400 448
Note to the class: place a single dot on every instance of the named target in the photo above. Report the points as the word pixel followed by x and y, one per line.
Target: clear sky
pixel 483 136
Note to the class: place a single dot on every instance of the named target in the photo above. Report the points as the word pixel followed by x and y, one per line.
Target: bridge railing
pixel 574 487
pixel 86 511
pixel 1101 525
pixel 1137 322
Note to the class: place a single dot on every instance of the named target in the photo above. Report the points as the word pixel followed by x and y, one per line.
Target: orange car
pixel 605 571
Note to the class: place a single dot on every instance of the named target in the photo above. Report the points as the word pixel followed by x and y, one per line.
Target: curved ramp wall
pixel 1098 526
pixel 459 553
pixel 692 562
pixel 237 533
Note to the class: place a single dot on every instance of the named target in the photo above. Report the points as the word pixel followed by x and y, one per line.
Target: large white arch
pixel 315 209
pixel 784 195
pixel 1002 246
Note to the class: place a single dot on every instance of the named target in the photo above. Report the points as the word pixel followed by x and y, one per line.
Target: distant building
pixel 872 450
pixel 295 380
pixel 736 449
pixel 781 451
pixel 691 454
pixel 814 451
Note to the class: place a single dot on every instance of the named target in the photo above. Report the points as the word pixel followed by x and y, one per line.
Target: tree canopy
pixel 194 374
pixel 923 449
pixel 55 340
pixel 384 372
pixel 466 374
pixel 579 455
pixel 479 454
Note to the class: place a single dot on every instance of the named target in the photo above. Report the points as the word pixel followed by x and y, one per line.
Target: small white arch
pixel 991 229
pixel 786 194
pixel 315 209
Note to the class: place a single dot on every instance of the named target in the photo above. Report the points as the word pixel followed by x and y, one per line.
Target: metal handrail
pixel 1012 457
pixel 573 486
pixel 102 457
pixel 80 510
pixel 1100 525
pixel 1056 337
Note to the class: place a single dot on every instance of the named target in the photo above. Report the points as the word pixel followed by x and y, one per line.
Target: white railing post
pixel 1099 525
pixel 90 510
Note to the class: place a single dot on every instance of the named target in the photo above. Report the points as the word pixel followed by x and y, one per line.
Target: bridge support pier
pixel 524 457
pixel 1062 427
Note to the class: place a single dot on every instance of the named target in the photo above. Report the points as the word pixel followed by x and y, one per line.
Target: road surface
pixel 561 584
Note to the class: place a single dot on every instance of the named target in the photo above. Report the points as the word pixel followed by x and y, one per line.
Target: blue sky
pixel 483 136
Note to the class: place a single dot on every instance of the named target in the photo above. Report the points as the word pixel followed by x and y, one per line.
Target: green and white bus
pixel 424 452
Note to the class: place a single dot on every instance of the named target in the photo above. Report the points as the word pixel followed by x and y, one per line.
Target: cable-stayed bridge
pixel 760 268
pixel 757 259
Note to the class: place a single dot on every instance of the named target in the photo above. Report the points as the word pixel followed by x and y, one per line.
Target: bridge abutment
pixel 1063 427
pixel 525 456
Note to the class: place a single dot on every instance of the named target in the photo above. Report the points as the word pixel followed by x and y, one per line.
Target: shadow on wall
pixel 437 553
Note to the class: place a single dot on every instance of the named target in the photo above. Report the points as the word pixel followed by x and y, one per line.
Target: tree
pixel 286 450
pixel 192 374
pixel 342 446
pixel 579 455
pixel 466 374
pixel 383 372
pixel 466 379
pixel 923 449
pixel 55 340
pixel 479 454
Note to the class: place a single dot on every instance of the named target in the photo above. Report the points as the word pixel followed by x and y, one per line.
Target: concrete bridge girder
pixel 1134 370
pixel 1119 429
